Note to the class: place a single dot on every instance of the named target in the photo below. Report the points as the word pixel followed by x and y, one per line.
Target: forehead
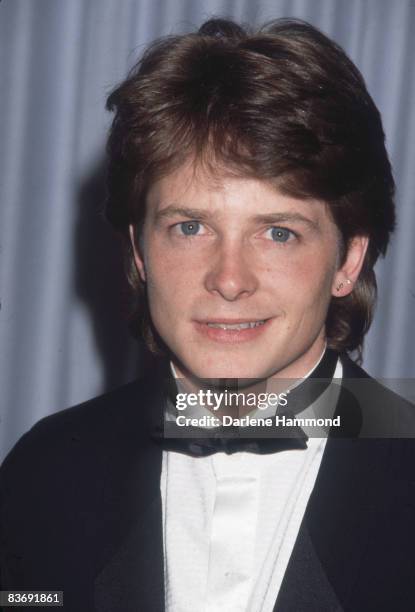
pixel 224 195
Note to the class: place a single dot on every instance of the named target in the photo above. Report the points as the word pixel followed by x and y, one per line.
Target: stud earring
pixel 341 285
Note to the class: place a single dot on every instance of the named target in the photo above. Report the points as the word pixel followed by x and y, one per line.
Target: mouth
pixel 232 331
pixel 247 325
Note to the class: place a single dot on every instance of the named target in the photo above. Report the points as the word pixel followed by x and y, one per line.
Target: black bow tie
pixel 202 447
pixel 283 438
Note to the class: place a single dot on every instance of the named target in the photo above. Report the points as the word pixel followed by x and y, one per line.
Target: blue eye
pixel 190 228
pixel 280 234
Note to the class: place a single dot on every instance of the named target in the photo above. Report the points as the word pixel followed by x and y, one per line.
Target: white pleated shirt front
pixel 230 523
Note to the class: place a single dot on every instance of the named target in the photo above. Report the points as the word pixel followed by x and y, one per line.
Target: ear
pixel 138 259
pixel 346 276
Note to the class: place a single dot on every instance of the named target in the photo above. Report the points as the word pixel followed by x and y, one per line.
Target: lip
pixel 231 336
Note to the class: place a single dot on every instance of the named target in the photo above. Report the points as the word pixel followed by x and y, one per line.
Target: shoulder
pixel 385 414
pixel 79 435
pixel 71 481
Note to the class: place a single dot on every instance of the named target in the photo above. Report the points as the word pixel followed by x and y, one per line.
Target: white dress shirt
pixel 230 523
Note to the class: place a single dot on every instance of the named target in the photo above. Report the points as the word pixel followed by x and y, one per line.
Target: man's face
pixel 239 276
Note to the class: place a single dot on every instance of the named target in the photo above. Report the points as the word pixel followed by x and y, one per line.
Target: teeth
pixel 248 325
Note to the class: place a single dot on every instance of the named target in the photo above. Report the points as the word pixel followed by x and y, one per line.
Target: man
pixel 249 177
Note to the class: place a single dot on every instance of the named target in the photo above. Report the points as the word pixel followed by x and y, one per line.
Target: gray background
pixel 63 334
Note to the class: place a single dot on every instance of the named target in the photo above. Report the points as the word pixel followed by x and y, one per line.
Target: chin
pixel 228 370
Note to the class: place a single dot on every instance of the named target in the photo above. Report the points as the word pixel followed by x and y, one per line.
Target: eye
pixel 281 234
pixel 189 228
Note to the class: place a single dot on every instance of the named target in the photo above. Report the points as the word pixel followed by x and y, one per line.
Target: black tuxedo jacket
pixel 81 510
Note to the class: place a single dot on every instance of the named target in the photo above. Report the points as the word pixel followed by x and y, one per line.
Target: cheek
pixel 303 281
pixel 170 283
pixel 294 272
pixel 317 300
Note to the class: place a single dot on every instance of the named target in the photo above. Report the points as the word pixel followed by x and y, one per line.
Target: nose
pixel 231 275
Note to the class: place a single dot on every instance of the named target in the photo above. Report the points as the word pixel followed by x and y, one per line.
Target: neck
pixel 285 379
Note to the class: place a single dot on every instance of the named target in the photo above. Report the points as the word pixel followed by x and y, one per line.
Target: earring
pixel 341 285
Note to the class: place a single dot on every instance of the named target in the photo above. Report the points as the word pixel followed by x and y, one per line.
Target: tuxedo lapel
pixel 133 579
pixel 335 531
pixel 131 576
pixel 339 518
pixel 306 585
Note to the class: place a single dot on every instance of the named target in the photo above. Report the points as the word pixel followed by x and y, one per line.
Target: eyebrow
pixel 176 211
pixel 287 217
pixel 204 215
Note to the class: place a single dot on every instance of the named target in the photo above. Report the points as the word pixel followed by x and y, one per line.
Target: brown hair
pixel 284 102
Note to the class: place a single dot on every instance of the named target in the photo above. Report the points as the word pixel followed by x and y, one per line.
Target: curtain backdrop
pixel 63 334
